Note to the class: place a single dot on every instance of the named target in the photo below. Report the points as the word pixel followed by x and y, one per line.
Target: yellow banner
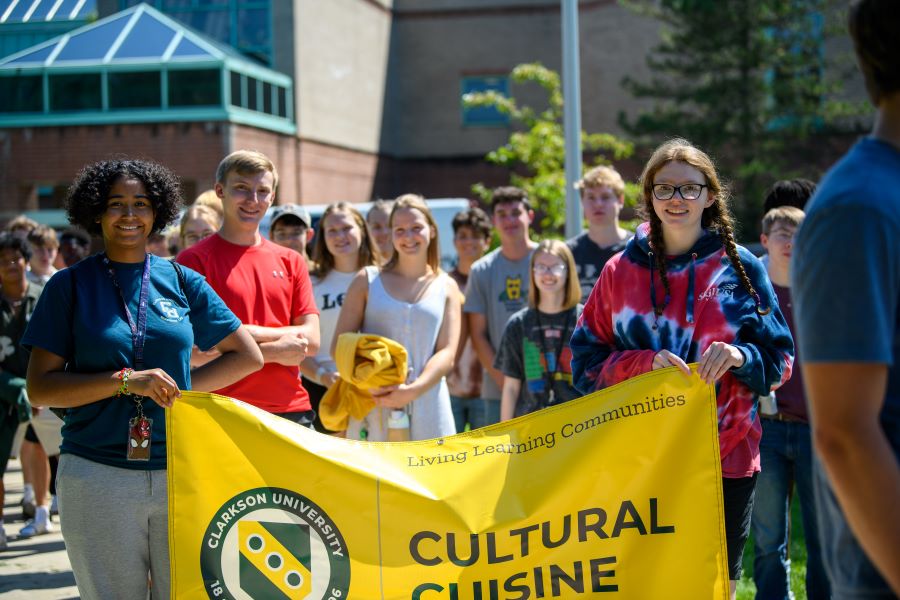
pixel 617 494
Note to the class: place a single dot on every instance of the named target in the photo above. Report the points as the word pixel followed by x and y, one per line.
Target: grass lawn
pixel 746 590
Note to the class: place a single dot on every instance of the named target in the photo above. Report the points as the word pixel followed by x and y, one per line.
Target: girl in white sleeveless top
pixel 411 301
pixel 343 246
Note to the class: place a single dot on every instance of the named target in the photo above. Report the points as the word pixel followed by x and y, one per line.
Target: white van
pixel 443 210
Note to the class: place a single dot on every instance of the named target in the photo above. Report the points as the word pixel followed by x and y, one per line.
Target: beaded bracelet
pixel 123 376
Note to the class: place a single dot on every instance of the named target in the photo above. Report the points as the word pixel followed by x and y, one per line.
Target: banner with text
pixel 615 494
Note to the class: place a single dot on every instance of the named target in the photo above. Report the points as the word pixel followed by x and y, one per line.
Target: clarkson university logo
pixel 272 543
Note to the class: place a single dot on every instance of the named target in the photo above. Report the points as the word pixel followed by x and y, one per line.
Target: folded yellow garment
pixel 364 361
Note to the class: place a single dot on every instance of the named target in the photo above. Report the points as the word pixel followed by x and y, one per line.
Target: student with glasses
pixel 683 291
pixel 534 354
pixel 198 223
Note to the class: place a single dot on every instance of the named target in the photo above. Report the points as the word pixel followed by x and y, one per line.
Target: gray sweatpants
pixel 114 522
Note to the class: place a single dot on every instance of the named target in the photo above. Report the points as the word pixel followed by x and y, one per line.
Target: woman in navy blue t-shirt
pixel 111 341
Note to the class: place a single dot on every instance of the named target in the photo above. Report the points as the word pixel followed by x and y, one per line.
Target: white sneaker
pixel 3 544
pixel 35 527
pixel 54 506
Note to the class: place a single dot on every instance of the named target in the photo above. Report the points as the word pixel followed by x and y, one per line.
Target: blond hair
pixel 211 200
pixel 22 222
pixel 246 162
pixel 573 287
pixel 201 211
pixel 789 215
pixel 417 202
pixel 600 176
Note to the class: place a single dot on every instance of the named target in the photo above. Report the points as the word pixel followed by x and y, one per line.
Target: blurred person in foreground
pixel 846 281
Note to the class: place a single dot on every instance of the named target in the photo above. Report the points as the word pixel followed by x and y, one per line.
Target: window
pixel 484 116
pixel 251 94
pixel 195 88
pixel 236 95
pixel 282 102
pixel 135 90
pixel 51 197
pixel 267 99
pixel 21 93
pixel 75 92
pixel 148 37
pixel 254 32
pixel 242 24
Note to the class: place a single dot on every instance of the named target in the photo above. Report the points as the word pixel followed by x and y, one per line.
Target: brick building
pixel 354 99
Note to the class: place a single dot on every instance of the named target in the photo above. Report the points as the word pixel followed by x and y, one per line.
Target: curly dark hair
pixel 87 196
pixel 10 241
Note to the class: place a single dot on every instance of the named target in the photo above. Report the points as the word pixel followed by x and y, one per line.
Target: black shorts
pixel 316 393
pixel 30 435
pixel 738 500
pixel 301 417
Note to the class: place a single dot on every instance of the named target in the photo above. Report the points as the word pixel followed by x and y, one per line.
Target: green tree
pixel 747 81
pixel 535 152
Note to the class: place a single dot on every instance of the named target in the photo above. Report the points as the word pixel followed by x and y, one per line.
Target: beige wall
pixel 341 61
pixel 433 50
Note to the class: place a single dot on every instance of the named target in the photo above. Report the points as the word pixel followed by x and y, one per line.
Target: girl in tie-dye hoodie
pixel 683 291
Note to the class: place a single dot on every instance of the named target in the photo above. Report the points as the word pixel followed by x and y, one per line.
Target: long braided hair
pixel 716 217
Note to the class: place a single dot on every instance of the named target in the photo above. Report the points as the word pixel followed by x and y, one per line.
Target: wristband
pixel 123 376
pixel 320 373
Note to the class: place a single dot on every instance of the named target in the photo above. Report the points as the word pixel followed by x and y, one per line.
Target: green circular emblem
pixel 273 543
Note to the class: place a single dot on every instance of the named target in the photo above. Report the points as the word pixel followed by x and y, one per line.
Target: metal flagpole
pixel 571 82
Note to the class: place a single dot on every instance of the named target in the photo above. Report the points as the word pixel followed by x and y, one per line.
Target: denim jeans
pixel 786 456
pixel 467 410
pixel 491 411
pixel 851 573
pixel 477 412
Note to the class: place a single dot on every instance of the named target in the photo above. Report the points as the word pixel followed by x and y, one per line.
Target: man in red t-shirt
pixel 265 285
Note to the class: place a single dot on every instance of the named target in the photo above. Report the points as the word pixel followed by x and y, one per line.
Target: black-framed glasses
pixel 688 191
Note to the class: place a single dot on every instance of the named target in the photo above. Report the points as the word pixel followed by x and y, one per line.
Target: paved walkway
pixel 36 568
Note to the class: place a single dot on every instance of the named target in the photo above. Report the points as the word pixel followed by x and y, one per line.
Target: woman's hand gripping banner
pixel 617 494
